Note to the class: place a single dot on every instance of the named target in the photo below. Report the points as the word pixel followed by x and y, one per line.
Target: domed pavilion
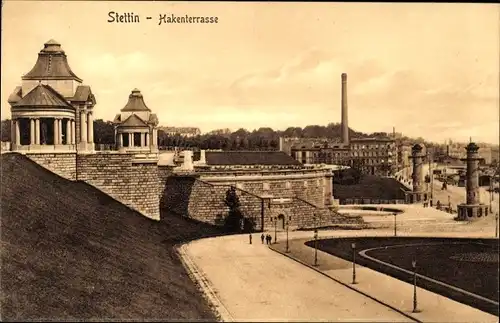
pixel 52 110
pixel 136 127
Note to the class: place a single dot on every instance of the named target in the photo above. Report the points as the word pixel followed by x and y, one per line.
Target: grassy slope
pixel 70 251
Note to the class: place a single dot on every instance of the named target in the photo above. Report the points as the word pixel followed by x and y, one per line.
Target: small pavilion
pixel 136 127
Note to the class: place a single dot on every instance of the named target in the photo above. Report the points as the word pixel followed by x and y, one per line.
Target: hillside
pixel 69 251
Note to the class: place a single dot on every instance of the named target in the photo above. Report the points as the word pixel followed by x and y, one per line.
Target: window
pixel 288 185
pixel 305 183
pixel 265 186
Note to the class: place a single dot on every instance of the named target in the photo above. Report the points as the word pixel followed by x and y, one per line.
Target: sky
pixel 429 70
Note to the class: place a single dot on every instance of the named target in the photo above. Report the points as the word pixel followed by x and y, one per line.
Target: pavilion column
pixel 37 131
pixel 83 127
pixel 120 140
pixel 90 124
pixel 146 139
pixel 142 139
pixel 18 133
pixel 68 132
pixel 73 132
pixel 32 131
pixel 56 131
pixel 60 128
pixel 155 137
pixel 131 139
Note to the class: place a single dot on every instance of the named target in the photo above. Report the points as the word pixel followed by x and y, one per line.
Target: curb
pixel 348 286
pixel 196 274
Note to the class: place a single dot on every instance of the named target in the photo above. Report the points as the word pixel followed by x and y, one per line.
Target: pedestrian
pixel 262 238
pixel 268 239
pixel 250 237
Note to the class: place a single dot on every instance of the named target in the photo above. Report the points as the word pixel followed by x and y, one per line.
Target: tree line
pixel 263 138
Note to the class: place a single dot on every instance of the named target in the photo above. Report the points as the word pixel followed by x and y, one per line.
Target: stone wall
pixel 308 185
pixel 128 180
pixel 62 164
pixel 190 196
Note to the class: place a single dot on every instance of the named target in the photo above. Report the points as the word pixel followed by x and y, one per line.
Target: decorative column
pixel 142 140
pixel 155 137
pixel 73 132
pixel 120 140
pixel 83 127
pixel 146 139
pixel 131 139
pixel 90 124
pixel 18 133
pixel 60 127
pixel 473 208
pixel 37 131
pixel 417 158
pixel 56 131
pixel 68 132
pixel 32 131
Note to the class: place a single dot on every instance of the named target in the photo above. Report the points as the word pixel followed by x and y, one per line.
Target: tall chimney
pixel 345 126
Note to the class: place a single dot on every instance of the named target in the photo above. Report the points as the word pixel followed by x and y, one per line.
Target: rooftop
pixel 52 64
pixel 135 102
pixel 43 96
pixel 249 158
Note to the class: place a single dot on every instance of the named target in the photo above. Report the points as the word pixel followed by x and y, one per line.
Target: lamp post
pixel 491 194
pixel 287 224
pixel 275 229
pixel 395 234
pixel 315 247
pixel 414 265
pixel 496 225
pixel 275 220
pixel 353 246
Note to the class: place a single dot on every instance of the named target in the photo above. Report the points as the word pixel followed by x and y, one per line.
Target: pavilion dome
pixel 135 102
pixel 52 64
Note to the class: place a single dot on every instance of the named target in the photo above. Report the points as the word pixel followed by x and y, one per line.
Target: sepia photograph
pixel 222 161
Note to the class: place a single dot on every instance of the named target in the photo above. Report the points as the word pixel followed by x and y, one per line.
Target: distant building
pixel 220 132
pixel 181 131
pixel 377 156
pixel 458 151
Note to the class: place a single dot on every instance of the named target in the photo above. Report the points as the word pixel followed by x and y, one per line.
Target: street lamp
pixel 315 247
pixel 287 224
pixel 414 265
pixel 395 234
pixel 491 194
pixel 275 220
pixel 353 246
pixel 496 225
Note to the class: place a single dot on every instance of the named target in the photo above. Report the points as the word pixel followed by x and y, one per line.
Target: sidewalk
pixel 388 290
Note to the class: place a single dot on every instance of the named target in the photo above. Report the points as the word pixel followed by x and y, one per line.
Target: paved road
pixel 256 284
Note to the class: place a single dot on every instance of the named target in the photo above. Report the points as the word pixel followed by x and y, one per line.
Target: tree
pixel 233 220
pixel 6 130
pixel 104 132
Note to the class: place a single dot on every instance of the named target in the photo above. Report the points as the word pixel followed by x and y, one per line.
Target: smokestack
pixel 345 126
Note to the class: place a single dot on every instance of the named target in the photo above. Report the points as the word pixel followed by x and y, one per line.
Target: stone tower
pixel 136 127
pixel 52 110
pixel 473 208
pixel 418 194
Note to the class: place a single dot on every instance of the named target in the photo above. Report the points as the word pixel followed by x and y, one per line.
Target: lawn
pixel 469 264
pixel 70 252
